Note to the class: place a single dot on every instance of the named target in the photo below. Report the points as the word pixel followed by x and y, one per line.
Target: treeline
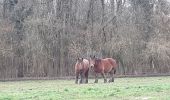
pixel 43 38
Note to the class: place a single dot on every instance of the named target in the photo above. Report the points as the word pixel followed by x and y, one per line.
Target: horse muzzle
pixel 91 66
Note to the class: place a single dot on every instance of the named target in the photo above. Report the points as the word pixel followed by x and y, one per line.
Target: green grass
pixel 143 88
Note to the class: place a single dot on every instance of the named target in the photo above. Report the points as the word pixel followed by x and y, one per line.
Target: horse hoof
pixel 111 81
pixel 95 81
pixel 105 81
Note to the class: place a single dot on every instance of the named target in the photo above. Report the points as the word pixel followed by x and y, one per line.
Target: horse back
pixel 109 64
pixel 112 62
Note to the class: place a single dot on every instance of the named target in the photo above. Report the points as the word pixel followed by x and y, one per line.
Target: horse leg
pixel 114 72
pixel 96 78
pixel 77 76
pixel 112 75
pixel 103 74
pixel 81 78
pixel 86 76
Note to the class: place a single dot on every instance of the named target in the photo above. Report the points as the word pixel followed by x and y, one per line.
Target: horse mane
pixel 97 61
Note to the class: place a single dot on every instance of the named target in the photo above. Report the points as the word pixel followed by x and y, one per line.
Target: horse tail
pixel 116 66
pixel 115 71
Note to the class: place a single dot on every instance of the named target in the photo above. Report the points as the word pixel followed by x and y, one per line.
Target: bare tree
pixel 42 38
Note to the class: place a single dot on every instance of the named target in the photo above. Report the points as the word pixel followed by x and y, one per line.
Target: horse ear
pixel 94 56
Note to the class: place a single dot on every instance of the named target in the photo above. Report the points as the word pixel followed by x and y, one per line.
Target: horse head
pixel 79 60
pixel 92 61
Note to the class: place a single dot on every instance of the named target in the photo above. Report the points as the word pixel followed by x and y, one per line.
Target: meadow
pixel 139 88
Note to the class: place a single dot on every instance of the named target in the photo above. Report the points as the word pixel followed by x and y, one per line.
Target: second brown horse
pixel 103 66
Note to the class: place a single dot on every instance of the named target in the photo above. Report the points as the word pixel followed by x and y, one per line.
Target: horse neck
pixel 82 64
pixel 98 61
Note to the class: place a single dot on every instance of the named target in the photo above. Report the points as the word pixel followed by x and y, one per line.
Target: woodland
pixel 43 38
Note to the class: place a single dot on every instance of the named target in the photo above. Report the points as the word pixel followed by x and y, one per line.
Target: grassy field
pixel 141 88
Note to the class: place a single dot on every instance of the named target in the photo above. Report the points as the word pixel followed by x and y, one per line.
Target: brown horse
pixel 103 66
pixel 82 69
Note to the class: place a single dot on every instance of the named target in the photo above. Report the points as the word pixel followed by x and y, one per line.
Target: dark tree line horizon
pixel 43 38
